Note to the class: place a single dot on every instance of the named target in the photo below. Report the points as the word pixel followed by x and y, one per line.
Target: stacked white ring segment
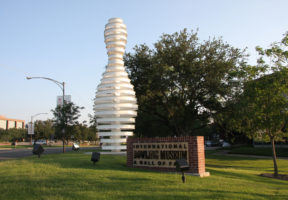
pixel 115 102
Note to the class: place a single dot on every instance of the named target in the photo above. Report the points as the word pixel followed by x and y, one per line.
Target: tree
pixel 264 103
pixel 44 129
pixel 80 132
pixel 64 118
pixel 83 132
pixel 13 134
pixel 182 83
pixel 3 135
pixel 92 134
pixel 76 134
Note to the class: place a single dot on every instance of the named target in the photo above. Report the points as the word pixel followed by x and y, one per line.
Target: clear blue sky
pixel 63 40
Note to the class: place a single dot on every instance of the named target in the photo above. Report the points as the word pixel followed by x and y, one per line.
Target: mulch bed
pixel 280 176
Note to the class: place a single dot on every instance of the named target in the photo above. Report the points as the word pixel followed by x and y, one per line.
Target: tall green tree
pixel 84 132
pixel 43 129
pixel 80 132
pixel 264 104
pixel 93 133
pixel 266 107
pixel 65 117
pixel 182 83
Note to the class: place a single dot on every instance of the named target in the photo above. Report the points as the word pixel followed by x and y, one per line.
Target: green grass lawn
pixel 260 151
pixel 73 176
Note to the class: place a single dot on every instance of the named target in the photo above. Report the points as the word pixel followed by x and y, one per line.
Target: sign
pixel 162 153
pixel 30 128
pixel 159 154
pixel 67 99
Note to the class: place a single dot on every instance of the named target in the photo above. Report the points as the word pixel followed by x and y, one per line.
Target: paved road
pixel 6 154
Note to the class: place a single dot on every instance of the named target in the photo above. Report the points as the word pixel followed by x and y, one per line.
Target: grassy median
pixel 73 176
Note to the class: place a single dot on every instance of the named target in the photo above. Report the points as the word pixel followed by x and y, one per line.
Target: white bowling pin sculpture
pixel 115 102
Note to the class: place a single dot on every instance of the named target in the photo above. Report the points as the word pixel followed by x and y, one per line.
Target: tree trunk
pixel 274 156
pixel 63 145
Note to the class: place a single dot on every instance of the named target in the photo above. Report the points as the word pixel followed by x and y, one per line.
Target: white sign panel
pixel 67 99
pixel 30 128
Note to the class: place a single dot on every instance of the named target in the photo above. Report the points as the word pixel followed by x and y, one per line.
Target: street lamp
pixel 61 85
pixel 32 123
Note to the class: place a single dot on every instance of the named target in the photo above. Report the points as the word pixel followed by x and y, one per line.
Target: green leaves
pixel 13 134
pixel 44 129
pixel 263 107
pixel 64 118
pixel 181 83
pixel 277 55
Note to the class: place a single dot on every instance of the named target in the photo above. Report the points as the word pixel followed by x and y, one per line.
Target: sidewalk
pixel 226 153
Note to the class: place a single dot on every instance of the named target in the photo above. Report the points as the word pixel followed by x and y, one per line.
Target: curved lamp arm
pixel 60 84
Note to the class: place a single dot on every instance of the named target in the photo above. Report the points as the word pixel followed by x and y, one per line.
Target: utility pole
pixel 61 85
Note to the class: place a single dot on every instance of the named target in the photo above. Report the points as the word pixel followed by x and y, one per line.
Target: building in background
pixel 7 123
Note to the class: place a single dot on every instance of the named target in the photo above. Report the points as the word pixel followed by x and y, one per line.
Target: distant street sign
pixel 67 99
pixel 30 128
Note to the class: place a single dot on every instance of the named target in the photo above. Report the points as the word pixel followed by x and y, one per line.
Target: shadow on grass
pixel 79 178
pixel 256 164
pixel 79 160
pixel 236 158
pixel 118 188
pixel 67 186
pixel 232 166
pixel 250 177
pixel 205 194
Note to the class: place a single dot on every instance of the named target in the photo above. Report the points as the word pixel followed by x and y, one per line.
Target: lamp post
pixel 61 85
pixel 32 123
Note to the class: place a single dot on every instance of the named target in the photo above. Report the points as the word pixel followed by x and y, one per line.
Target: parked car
pixel 208 143
pixel 40 142
pixel 226 144
pixel 211 143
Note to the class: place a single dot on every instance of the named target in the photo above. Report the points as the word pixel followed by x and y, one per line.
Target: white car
pixel 41 142
pixel 226 144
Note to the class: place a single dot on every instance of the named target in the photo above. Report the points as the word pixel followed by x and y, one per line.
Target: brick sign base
pixel 161 153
